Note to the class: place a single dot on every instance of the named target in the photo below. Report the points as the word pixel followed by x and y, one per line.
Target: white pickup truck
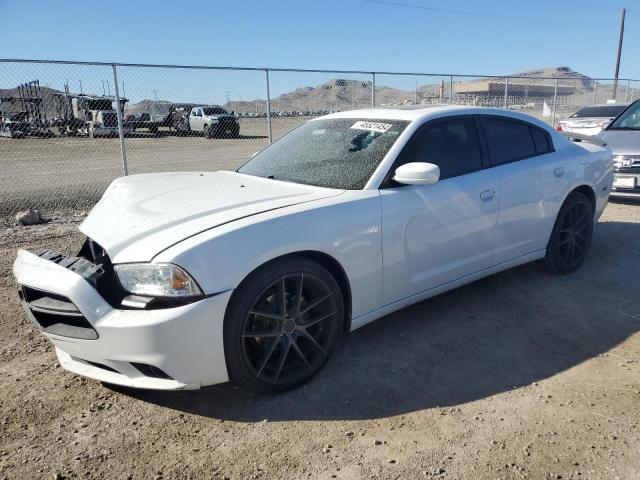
pixel 213 121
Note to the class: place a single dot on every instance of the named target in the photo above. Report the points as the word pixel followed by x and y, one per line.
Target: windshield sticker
pixel 371 126
pixel 320 131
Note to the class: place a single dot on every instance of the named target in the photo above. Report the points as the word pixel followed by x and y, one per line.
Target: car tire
pixel 271 349
pixel 571 236
pixel 208 132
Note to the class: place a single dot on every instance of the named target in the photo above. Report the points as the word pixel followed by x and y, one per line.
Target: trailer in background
pixel 22 114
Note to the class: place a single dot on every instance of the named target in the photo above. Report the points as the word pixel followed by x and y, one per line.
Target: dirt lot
pixel 62 173
pixel 521 375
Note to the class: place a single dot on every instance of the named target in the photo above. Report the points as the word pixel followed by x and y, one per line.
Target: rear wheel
pixel 571 236
pixel 282 324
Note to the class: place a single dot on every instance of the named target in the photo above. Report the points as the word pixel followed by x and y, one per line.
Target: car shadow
pixel 491 336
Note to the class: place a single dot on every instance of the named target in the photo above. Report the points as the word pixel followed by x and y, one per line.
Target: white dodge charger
pixel 192 279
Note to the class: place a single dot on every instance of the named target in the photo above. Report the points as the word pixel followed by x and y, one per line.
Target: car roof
pixel 605 105
pixel 420 113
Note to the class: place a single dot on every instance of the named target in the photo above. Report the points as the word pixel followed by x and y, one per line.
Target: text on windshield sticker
pixel 371 126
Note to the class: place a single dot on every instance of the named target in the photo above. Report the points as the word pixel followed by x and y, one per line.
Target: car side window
pixel 540 140
pixel 508 140
pixel 453 145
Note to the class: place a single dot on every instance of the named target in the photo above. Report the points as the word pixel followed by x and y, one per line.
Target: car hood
pixel 141 215
pixel 622 142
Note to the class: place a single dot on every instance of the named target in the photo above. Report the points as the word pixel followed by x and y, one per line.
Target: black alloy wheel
pixel 285 323
pixel 571 236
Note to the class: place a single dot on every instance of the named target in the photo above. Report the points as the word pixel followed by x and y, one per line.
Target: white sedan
pixel 192 279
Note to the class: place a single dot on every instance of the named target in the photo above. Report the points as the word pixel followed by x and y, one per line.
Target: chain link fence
pixel 67 129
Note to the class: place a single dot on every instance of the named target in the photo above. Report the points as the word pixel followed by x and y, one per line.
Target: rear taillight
pixel 558 127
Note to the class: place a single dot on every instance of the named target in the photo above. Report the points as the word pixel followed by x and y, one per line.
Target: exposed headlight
pixel 157 280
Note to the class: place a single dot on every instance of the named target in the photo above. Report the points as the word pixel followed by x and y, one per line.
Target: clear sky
pixel 465 36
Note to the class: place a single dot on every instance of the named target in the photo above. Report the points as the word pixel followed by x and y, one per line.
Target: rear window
pixel 214 111
pixel 508 140
pixel 607 111
pixel 540 140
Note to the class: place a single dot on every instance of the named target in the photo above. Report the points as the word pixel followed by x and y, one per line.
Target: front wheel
pixel 282 324
pixel 571 236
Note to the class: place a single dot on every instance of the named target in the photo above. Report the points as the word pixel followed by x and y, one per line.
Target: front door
pixel 435 234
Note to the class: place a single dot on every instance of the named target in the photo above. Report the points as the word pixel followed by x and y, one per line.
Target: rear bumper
pixel 184 342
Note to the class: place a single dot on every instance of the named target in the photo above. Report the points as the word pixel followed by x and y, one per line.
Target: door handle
pixel 487 195
pixel 558 172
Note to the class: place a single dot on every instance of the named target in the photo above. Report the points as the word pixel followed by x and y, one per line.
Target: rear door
pixel 519 153
pixel 435 234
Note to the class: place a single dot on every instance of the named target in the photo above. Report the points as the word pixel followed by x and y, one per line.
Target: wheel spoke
pixel 309 337
pixel 261 334
pixel 579 235
pixel 296 348
pixel 299 294
pixel 283 297
pixel 273 316
pixel 284 353
pixel 315 303
pixel 267 355
pixel 572 245
pixel 564 242
pixel 313 321
pixel 582 225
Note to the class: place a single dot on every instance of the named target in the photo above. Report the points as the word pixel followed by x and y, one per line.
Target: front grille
pixel 227 122
pixel 109 120
pixel 56 314
pixel 627 165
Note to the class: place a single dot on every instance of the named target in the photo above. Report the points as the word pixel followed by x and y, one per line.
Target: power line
pixel 578 5
pixel 477 14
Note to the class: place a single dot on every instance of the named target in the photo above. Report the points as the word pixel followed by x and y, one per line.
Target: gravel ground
pixel 520 375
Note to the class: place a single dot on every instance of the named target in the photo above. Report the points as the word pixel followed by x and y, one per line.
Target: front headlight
pixel 157 280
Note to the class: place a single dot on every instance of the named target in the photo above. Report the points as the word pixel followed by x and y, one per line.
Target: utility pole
pixel 615 82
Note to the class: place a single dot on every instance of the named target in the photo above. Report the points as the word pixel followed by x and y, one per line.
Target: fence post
pixel 506 90
pixel 626 92
pixel 123 153
pixel 268 106
pixel 373 90
pixel 555 101
pixel 450 89
pixel 415 100
pixel 595 90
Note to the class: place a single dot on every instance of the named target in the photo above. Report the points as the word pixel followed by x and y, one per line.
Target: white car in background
pixel 191 279
pixel 591 120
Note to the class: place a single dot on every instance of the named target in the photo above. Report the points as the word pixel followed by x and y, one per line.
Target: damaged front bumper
pixel 166 348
